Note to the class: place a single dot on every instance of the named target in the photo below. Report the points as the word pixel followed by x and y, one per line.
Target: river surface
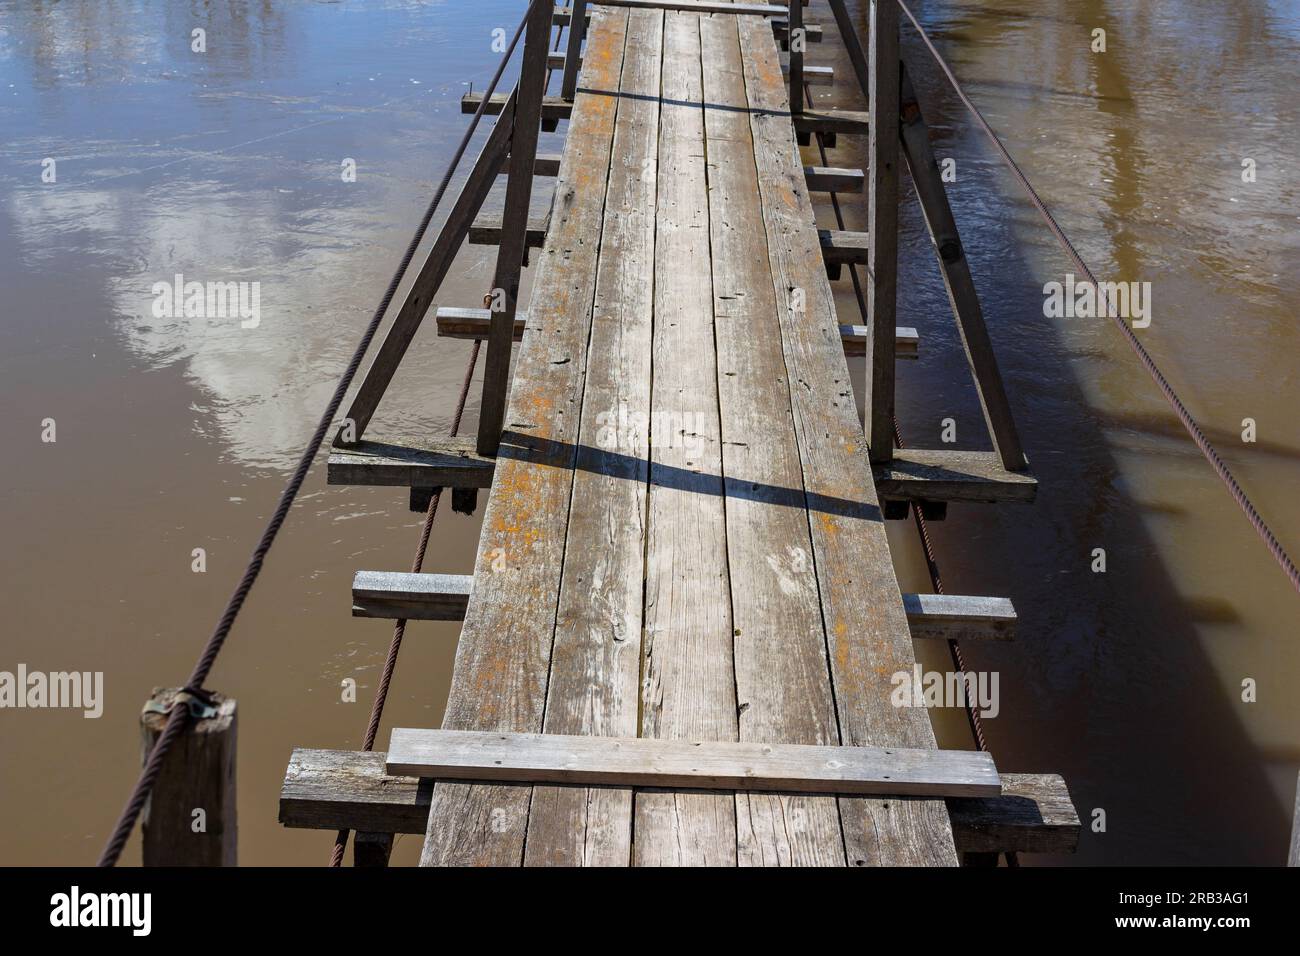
pixel 175 434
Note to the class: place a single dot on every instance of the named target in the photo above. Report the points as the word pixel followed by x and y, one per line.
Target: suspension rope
pixel 179 714
pixel 1203 443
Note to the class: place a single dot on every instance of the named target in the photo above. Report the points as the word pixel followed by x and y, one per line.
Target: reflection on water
pixel 227 166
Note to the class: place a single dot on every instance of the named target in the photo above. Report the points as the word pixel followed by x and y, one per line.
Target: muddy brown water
pixel 177 433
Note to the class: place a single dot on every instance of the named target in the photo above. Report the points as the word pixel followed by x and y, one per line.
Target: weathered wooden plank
pixel 782 684
pixel 502 662
pixel 813 32
pixel 907 342
pixel 457 323
pixel 943 475
pixel 1033 814
pixel 460 323
pixel 486 231
pixel 553 107
pixel 444 597
pixel 350 790
pixel 446 462
pixel 688 683
pixel 882 225
pixel 595 664
pixel 701 764
pixel 818 75
pixel 833 179
pixel 866 628
pixel 415 597
pixel 840 247
pixel 959 617
pixel 832 121
pixel 544 164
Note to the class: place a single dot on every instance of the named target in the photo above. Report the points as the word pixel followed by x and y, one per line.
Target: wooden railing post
pixel 573 52
pixel 189 819
pixel 882 226
pixel 514 225
pixel 797 41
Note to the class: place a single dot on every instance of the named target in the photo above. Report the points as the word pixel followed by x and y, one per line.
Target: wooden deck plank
pixel 866 626
pixel 688 684
pixel 714 765
pixel 783 686
pixel 595 664
pixel 350 790
pixel 502 662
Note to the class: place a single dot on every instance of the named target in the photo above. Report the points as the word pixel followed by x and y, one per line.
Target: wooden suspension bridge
pixel 679 641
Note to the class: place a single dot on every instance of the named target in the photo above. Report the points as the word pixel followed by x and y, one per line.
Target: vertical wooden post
pixel 852 46
pixel 573 52
pixel 371 849
pixel 958 280
pixel 882 226
pixel 189 819
pixel 797 41
pixel 514 225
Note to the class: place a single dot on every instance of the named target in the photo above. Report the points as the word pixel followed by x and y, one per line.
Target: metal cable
pixel 179 714
pixel 1203 443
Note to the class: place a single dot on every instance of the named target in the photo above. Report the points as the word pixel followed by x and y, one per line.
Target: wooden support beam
pixel 959 282
pixel 939 475
pixel 906 341
pixel 486 231
pixel 709 765
pixel 414 597
pixel 573 52
pixel 553 107
pixel 813 32
pixel 798 42
pixel 371 849
pixel 563 14
pixel 959 617
pixel 844 248
pixel 816 75
pixel 833 179
pixel 189 819
pixel 545 164
pixel 444 597
pixel 882 225
pixel 832 121
pixel 1033 814
pixel 459 323
pixel 512 251
pixel 448 463
pixel 350 790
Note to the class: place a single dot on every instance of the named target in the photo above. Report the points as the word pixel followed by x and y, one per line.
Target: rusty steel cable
pixel 1203 443
pixel 179 714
